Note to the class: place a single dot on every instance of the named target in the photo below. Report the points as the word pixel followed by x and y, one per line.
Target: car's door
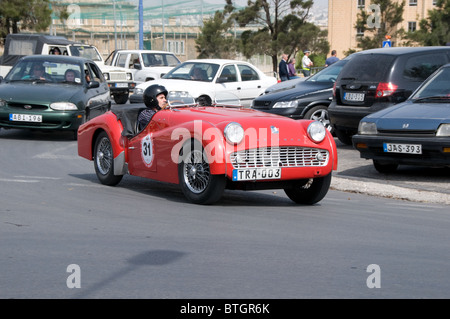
pixel 250 84
pixel 97 98
pixel 228 81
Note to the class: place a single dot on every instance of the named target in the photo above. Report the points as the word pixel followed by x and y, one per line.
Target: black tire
pixel 121 98
pixel 104 161
pixel 309 191
pixel 320 113
pixel 199 186
pixel 343 136
pixel 385 168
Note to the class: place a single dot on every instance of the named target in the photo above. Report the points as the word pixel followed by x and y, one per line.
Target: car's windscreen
pixel 328 74
pixel 54 72
pixel 367 67
pixel 193 71
pixel 85 52
pixel 436 88
pixel 159 59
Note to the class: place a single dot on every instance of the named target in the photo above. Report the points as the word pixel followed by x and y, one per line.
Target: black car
pixel 378 78
pixel 307 99
pixel 415 132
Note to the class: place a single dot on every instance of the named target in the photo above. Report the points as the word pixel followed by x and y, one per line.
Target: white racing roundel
pixel 147 150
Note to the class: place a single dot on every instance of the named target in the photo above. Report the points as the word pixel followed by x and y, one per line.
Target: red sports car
pixel 206 149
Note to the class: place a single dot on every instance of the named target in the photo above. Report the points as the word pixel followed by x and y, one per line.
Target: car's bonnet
pixel 412 116
pixel 300 89
pixel 38 93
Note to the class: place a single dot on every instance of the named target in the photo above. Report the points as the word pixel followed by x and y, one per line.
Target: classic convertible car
pixel 206 149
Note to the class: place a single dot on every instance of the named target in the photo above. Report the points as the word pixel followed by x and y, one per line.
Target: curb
pixel 388 191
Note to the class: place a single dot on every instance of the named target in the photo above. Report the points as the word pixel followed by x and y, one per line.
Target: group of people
pixel 287 71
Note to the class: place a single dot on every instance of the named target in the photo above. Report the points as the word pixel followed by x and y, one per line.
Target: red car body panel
pixel 171 128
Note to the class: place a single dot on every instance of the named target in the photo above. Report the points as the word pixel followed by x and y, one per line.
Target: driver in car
pixel 155 99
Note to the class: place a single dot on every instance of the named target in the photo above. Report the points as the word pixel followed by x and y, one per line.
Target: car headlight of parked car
pixel 106 76
pixel 138 91
pixel 443 130
pixel 285 104
pixel 367 128
pixel 316 131
pixel 2 102
pixel 63 106
pixel 234 133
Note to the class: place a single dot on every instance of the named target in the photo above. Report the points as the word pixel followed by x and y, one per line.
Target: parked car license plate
pixel 25 118
pixel 402 148
pixel 354 97
pixel 256 174
pixel 121 85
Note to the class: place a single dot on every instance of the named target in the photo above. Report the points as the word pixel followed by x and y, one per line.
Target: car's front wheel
pixel 309 191
pixel 104 161
pixel 320 113
pixel 121 98
pixel 199 186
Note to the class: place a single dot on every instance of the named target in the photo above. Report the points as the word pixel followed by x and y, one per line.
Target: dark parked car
pixel 415 132
pixel 307 99
pixel 50 92
pixel 378 78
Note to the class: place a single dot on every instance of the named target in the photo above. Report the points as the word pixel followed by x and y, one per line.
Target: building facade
pixel 343 14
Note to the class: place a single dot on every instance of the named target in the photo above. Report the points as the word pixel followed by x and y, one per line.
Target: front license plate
pixel 250 174
pixel 25 118
pixel 354 97
pixel 121 85
pixel 402 148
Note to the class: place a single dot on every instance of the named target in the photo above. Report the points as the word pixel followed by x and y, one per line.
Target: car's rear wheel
pixel 104 161
pixel 309 191
pixel 196 181
pixel 385 168
pixel 343 136
pixel 320 113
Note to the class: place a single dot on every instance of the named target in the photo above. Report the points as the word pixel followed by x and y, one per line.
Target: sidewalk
pixel 418 184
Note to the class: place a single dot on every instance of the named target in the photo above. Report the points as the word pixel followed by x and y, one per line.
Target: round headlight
pixel 317 131
pixel 2 102
pixel 234 133
pixel 63 106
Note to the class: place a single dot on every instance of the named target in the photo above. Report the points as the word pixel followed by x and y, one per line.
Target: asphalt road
pixel 141 239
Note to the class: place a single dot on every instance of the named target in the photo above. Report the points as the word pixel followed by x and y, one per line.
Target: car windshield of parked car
pixel 159 59
pixel 193 71
pixel 39 69
pixel 435 89
pixel 328 74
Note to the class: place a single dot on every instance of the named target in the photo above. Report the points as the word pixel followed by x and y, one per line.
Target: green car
pixel 52 92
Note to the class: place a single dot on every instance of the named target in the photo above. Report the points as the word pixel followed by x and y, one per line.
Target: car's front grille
pixel 117 76
pixel 25 107
pixel 408 133
pixel 261 105
pixel 288 156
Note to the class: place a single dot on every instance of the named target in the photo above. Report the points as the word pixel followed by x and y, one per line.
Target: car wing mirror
pixel 137 66
pixel 222 79
pixel 93 84
pixel 1 79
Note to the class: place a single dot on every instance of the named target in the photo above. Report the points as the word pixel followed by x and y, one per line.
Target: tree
pixel 382 20
pixel 434 30
pixel 18 15
pixel 277 26
pixel 214 40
